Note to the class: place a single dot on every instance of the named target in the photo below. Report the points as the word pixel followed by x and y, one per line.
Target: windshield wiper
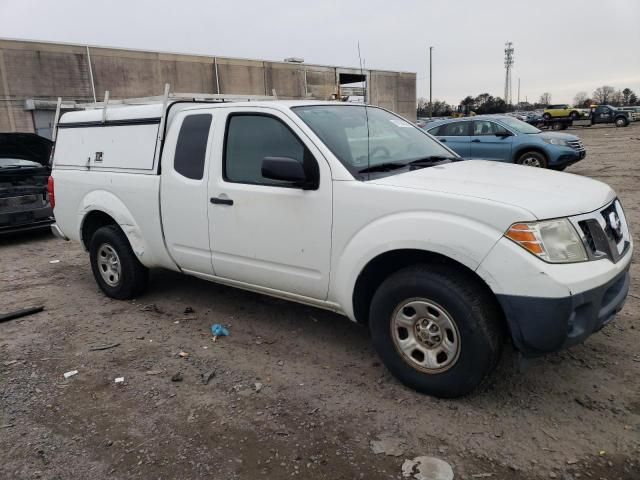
pixel 429 161
pixel 432 160
pixel 383 167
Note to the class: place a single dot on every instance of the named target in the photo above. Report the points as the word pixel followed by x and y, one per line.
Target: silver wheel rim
pixel 531 162
pixel 109 265
pixel 425 335
pixel 620 123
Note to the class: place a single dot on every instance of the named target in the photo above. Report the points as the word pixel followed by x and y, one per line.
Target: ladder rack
pixel 166 99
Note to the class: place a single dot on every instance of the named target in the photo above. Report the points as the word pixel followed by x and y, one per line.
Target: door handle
pixel 221 201
pixel 475 141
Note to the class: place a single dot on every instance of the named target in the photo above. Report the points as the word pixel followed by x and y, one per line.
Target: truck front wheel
pixel 436 329
pixel 117 270
pixel 621 122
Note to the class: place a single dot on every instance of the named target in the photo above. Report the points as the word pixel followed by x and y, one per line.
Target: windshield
pixel 17 162
pixel 385 140
pixel 519 125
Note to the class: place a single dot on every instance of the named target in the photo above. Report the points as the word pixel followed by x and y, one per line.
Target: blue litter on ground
pixel 219 331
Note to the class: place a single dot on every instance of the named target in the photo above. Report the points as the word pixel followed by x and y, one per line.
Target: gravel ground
pixel 322 395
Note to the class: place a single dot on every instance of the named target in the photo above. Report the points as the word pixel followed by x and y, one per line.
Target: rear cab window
pixel 191 147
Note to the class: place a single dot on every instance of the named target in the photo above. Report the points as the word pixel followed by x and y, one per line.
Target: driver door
pixel 263 232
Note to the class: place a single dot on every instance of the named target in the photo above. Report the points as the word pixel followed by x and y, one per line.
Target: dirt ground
pixel 323 395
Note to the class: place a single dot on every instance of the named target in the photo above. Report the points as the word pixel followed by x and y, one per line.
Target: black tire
pixel 532 159
pixel 574 115
pixel 133 276
pixel 621 122
pixel 546 116
pixel 471 307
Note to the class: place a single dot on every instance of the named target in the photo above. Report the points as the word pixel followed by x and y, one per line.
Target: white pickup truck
pixel 352 209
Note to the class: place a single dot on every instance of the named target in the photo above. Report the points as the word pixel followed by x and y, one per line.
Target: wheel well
pixel 92 222
pixel 523 150
pixel 384 265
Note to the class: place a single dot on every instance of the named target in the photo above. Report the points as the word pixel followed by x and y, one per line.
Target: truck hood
pixel 544 193
pixel 25 146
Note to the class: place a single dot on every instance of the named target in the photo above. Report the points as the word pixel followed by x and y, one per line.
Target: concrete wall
pixel 45 71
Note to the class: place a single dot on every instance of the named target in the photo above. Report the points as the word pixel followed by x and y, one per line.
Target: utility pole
pixel 508 63
pixel 518 91
pixel 430 83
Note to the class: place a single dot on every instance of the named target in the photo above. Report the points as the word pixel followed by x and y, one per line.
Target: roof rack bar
pixel 165 104
pixel 104 108
pixel 175 96
pixel 56 119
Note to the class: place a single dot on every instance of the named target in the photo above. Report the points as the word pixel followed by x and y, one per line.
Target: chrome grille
pixel 576 145
pixel 605 232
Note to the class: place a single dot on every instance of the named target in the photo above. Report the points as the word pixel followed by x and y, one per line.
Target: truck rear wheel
pixel 436 329
pixel 117 270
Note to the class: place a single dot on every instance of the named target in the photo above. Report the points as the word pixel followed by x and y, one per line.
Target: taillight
pixel 51 192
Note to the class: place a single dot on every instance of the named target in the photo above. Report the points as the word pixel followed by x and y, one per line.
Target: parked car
pixel 24 170
pixel 507 139
pixel 563 111
pixel 352 209
pixel 635 111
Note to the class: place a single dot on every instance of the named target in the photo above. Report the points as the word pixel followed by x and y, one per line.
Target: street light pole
pixel 430 82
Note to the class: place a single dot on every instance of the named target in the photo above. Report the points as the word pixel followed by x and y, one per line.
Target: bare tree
pixel 628 96
pixel 617 98
pixel 604 94
pixel 545 98
pixel 580 99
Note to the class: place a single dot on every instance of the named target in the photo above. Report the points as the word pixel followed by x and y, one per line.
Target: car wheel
pixel 436 329
pixel 574 115
pixel 532 159
pixel 621 122
pixel 546 116
pixel 117 270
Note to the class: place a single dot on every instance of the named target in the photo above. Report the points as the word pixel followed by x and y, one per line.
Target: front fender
pixel 462 239
pixel 108 203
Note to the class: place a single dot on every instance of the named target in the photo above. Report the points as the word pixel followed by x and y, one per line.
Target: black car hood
pixel 26 146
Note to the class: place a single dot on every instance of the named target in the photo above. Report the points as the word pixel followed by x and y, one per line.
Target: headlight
pixel 555 141
pixel 554 241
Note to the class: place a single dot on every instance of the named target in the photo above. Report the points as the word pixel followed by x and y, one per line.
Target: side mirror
pixel 504 134
pixel 284 169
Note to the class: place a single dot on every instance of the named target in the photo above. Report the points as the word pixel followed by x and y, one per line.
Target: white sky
pixel 561 46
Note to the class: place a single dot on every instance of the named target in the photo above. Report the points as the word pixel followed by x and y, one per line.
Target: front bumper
pixel 565 156
pixel 541 325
